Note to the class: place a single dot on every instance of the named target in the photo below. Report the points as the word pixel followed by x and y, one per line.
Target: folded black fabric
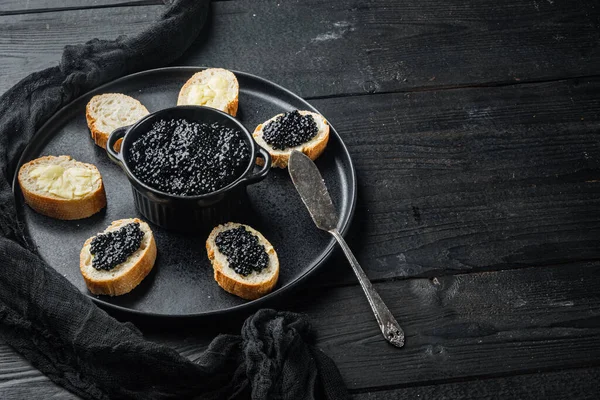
pixel 78 345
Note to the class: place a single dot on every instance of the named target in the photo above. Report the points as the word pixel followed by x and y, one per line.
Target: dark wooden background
pixel 474 126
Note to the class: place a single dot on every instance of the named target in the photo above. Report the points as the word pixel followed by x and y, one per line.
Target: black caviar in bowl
pixel 188 158
pixel 188 165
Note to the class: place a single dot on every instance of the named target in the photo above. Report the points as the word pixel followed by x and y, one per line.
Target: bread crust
pixel 65 209
pixel 100 137
pixel 232 106
pixel 245 290
pixel 126 282
pixel 313 149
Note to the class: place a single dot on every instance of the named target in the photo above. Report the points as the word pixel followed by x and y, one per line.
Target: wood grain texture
pixel 578 384
pixel 13 7
pixel 19 380
pixel 469 326
pixel 463 327
pixel 346 47
pixel 31 42
pixel 359 46
pixel 581 384
pixel 473 325
pixel 472 179
pixel 451 181
pixel 460 180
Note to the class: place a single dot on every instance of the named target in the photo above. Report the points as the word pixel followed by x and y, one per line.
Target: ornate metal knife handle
pixel 387 323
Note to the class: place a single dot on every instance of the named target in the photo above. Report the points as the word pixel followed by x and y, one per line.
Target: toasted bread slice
pixel 124 277
pixel 62 188
pixel 109 111
pixel 313 148
pixel 213 87
pixel 256 284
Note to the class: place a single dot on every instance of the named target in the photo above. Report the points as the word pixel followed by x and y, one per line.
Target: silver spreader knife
pixel 311 187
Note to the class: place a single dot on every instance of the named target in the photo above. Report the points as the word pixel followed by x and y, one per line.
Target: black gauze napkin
pixel 78 345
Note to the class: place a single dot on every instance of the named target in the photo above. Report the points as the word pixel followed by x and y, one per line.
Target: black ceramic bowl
pixel 187 213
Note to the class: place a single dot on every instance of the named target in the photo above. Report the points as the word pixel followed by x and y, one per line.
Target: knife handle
pixel 387 323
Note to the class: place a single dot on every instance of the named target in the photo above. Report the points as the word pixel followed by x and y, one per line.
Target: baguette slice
pixel 109 111
pixel 124 277
pixel 250 287
pixel 313 148
pixel 213 87
pixel 56 187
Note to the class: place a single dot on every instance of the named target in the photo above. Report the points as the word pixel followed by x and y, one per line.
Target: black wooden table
pixel 474 126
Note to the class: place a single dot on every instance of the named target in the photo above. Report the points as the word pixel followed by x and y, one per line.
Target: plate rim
pixel 346 219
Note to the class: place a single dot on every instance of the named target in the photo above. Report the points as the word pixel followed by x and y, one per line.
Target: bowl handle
pixel 264 170
pixel 115 155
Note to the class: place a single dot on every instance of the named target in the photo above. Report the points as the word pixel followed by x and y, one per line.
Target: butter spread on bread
pixel 213 87
pixel 62 188
pixel 209 93
pixel 67 183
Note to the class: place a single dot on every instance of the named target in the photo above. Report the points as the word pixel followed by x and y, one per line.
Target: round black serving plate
pixel 181 283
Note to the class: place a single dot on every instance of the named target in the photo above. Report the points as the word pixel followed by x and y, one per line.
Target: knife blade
pixel 310 185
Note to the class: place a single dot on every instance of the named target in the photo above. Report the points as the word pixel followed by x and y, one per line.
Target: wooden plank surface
pixel 471 141
pixel 458 327
pixel 472 179
pixel 345 47
pixel 13 7
pixel 31 42
pixel 580 384
pixel 19 380
pixel 451 181
pixel 515 184
pixel 463 327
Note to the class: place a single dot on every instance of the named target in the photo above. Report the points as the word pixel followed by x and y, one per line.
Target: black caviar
pixel 290 130
pixel 242 250
pixel 189 158
pixel 112 248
